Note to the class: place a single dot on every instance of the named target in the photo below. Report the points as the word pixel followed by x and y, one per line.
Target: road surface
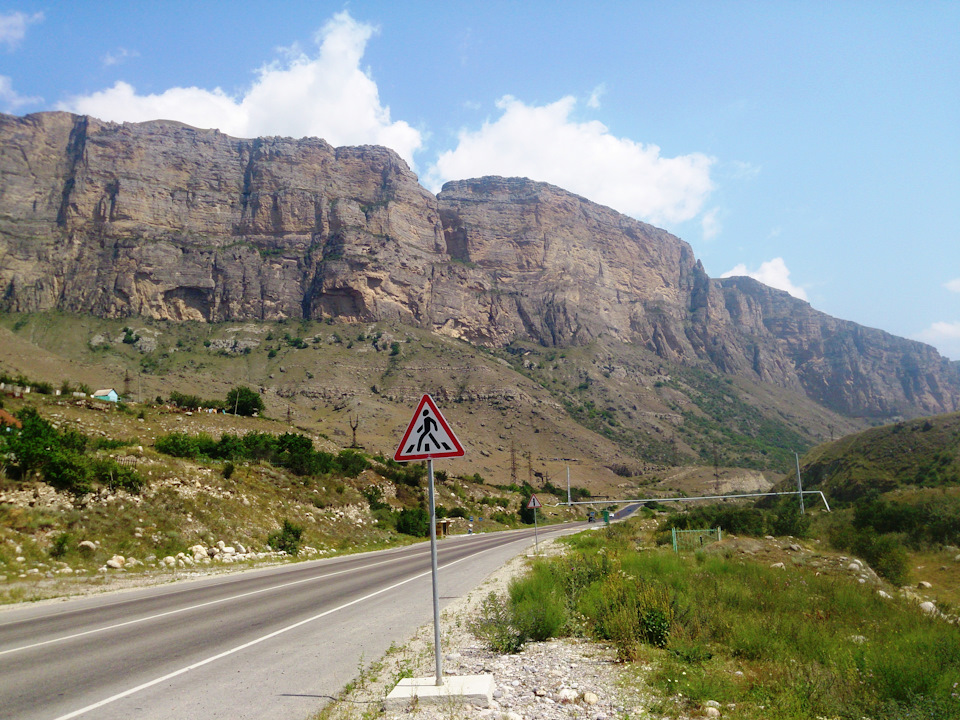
pixel 265 644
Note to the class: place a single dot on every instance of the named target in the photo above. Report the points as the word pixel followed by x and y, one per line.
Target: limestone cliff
pixel 163 220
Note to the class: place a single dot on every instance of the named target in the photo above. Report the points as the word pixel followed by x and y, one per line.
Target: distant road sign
pixel 428 435
pixel 534 503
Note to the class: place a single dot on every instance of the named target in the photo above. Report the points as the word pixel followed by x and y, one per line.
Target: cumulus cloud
pixel 945 336
pixel 544 143
pixel 326 95
pixel 11 100
pixel 953 285
pixel 13 27
pixel 773 273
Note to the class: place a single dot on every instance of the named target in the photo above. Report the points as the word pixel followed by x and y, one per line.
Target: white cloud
pixel 10 100
pixel 773 273
pixel 953 285
pixel 327 95
pixel 945 336
pixel 544 143
pixel 598 92
pixel 13 27
pixel 118 56
pixel 710 224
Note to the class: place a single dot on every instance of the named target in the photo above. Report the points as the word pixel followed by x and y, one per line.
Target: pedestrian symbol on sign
pixel 426 435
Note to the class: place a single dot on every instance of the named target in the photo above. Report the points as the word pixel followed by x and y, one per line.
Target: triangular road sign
pixel 428 435
pixel 534 503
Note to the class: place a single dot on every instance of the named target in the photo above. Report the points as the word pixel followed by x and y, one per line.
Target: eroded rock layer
pixel 167 221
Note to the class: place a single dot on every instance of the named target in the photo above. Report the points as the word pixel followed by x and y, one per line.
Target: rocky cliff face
pixel 167 221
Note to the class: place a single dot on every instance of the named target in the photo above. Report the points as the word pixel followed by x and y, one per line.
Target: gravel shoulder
pixel 553 680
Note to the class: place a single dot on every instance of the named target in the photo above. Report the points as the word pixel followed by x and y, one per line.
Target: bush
pixel 177 445
pixel 537 606
pixel 494 626
pixel 244 401
pixel 414 521
pixel 287 538
pixel 385 517
pixel 60 545
pixel 351 463
pixel 68 472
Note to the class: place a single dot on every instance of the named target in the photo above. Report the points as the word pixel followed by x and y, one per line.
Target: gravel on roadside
pixel 553 680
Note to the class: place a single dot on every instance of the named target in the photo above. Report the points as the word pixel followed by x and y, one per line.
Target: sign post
pixel 535 503
pixel 428 436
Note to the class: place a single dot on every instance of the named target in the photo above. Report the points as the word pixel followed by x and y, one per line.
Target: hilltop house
pixel 108 394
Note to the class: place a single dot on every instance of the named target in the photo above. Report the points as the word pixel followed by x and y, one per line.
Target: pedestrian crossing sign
pixel 428 435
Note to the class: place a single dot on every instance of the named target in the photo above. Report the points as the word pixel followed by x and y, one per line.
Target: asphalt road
pixel 264 644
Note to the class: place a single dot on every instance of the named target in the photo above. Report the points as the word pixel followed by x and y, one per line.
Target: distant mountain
pixel 164 221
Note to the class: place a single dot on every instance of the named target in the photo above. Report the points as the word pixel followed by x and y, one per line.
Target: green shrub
pixel 374 496
pixel 537 606
pixel 61 544
pixel 177 445
pixel 494 626
pixel 244 401
pixel 351 463
pixel 385 517
pixel 68 472
pixel 287 538
pixel 414 521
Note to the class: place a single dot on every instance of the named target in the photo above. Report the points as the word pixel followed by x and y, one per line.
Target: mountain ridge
pixel 166 221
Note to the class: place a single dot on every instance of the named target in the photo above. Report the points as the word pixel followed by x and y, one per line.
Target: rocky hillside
pixel 164 221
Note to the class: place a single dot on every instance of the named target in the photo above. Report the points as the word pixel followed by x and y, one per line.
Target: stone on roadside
pixel 928 607
pixel 591 698
pixel 87 546
pixel 116 562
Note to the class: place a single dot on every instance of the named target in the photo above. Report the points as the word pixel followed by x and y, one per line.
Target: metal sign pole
pixel 536 539
pixel 433 567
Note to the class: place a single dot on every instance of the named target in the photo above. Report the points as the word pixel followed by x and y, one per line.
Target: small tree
pixel 414 521
pixel 244 401
pixel 526 514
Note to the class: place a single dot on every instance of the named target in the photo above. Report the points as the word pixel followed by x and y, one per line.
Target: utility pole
pixel 568 486
pixel 513 462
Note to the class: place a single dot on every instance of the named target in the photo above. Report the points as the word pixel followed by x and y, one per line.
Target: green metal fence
pixel 695 539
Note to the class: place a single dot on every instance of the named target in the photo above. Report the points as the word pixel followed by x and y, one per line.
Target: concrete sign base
pixel 476 690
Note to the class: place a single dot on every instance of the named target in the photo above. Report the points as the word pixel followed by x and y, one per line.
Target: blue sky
pixel 814 145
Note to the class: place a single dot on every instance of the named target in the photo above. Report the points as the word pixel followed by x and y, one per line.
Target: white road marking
pixel 225 653
pixel 188 609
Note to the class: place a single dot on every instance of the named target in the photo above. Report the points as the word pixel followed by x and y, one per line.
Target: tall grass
pixel 776 643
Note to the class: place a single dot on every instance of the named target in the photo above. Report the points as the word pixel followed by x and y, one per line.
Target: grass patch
pixel 721 629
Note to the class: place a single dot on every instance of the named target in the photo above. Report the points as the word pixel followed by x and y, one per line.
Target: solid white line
pixel 225 653
pixel 188 609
